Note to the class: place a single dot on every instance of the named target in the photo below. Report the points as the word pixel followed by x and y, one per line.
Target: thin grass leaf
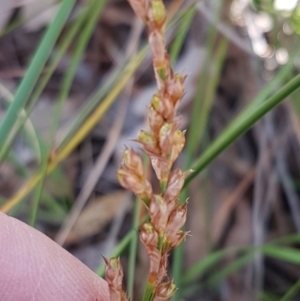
pixel 210 92
pixel 205 264
pixel 266 296
pixel 34 71
pixel 65 87
pixel 295 289
pixel 133 251
pixel 39 189
pixel 28 126
pixel 181 34
pixel 236 265
pixel 239 128
pixel 92 17
pixel 282 253
pixel 58 54
pixel 81 133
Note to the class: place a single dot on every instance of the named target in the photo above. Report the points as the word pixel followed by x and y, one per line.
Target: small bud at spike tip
pixel 157 12
pixel 133 162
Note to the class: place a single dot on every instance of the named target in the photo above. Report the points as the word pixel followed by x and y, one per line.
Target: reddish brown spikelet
pixel 175 184
pixel 162 272
pixel 176 239
pixel 130 181
pixel 165 291
pixel 133 162
pixel 161 167
pixel 149 143
pixel 155 120
pixel 178 144
pixel 175 87
pixel 149 235
pixel 159 213
pixel 114 278
pixel 176 221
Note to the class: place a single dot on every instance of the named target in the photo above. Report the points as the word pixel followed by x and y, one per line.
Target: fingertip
pixel 33 267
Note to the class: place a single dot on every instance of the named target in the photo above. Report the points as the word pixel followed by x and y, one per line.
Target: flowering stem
pixel 163 143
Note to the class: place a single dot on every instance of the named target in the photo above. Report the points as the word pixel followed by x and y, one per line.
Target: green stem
pixel 149 292
pixel 181 34
pixel 132 251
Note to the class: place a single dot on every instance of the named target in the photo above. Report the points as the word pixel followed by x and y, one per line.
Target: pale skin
pixel 34 268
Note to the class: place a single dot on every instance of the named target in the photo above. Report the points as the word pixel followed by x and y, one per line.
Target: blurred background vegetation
pixel 75 81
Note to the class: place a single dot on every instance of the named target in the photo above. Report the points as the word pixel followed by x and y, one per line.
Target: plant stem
pixel 149 294
pixel 132 251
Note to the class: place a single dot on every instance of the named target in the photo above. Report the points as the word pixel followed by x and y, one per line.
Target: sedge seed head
pixel 149 235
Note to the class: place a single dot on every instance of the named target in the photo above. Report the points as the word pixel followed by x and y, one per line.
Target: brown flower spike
pixel 163 143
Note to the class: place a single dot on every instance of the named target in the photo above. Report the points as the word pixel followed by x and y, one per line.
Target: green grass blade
pixel 235 131
pixel 181 34
pixel 274 249
pixel 205 264
pixel 95 11
pixel 85 36
pixel 34 70
pixel 133 251
pixel 28 127
pixel 282 253
pixel 266 296
pixel 39 189
pixel 291 292
pixel 230 269
pixel 66 41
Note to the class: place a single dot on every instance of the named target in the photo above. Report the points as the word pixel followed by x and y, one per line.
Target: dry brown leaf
pixel 95 216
